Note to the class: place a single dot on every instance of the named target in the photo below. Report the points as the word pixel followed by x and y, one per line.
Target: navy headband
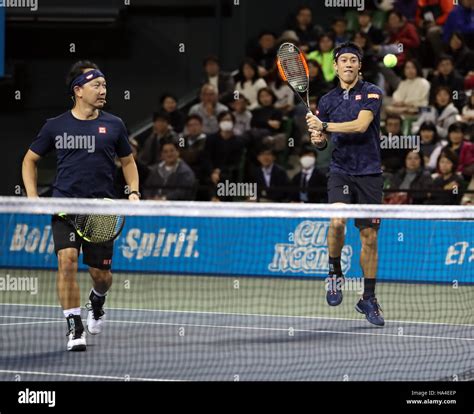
pixel 348 49
pixel 86 77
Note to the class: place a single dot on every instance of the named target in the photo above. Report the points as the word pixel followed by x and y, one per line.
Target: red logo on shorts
pixel 107 261
pixel 375 221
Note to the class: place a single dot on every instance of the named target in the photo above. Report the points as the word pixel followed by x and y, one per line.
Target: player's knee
pixel 368 238
pixel 67 261
pixel 101 276
pixel 338 224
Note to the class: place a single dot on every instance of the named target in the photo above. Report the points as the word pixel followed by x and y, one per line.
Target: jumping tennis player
pixel 86 140
pixel 350 115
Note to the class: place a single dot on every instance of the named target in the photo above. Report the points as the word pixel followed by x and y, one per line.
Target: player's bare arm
pixel 29 172
pixel 358 125
pixel 130 172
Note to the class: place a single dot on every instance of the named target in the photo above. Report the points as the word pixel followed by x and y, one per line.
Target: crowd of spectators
pixel 248 127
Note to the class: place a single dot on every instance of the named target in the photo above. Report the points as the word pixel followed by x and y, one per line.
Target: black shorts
pixel 98 255
pixel 357 189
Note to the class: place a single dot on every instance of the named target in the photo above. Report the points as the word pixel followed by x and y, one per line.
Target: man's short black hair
pixel 444 57
pixel 167 95
pixel 169 141
pixel 267 32
pixel 161 115
pixel 308 149
pixel 303 7
pixel 195 117
pixel 338 19
pixel 77 69
pixel 266 148
pixel 224 114
pixel 394 116
pixel 351 45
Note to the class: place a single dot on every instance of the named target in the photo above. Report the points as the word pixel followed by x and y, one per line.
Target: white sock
pixel 72 311
pixel 101 295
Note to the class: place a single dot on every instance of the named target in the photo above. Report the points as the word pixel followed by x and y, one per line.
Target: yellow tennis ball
pixel 390 60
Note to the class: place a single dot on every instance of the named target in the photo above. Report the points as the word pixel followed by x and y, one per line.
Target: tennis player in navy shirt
pixel 350 116
pixel 86 141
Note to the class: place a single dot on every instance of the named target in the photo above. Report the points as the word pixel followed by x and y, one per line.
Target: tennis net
pixel 236 291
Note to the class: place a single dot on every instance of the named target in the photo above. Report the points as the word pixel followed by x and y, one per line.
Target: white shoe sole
pixel 77 345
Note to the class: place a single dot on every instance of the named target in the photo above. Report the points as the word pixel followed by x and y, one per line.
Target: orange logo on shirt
pixel 373 95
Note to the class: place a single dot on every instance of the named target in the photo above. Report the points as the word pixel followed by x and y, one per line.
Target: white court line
pixel 26 317
pixel 257 328
pixel 28 323
pixel 60 374
pixel 253 314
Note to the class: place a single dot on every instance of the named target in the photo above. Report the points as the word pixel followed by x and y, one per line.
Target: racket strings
pixel 99 228
pixel 294 68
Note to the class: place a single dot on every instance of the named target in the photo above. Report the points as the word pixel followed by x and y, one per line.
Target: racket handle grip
pixel 309 112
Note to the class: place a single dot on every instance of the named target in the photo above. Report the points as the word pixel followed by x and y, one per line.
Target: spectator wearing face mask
pixel 309 185
pixel 224 152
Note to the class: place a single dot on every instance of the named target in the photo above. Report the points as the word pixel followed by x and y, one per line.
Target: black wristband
pixel 136 192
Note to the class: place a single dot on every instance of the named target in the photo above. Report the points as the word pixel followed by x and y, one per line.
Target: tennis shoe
pixel 95 313
pixel 372 310
pixel 76 335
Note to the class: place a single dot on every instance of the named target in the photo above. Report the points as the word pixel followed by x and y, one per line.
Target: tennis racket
pixel 294 70
pixel 96 228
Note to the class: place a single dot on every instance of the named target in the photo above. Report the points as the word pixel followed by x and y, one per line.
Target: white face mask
pixel 307 162
pixel 226 126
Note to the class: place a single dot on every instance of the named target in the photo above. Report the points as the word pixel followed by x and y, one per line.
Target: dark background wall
pixel 136 46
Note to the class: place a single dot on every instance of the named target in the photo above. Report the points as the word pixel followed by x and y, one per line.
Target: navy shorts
pixel 98 255
pixel 356 189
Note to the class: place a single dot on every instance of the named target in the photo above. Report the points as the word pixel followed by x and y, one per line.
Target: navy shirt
pixel 354 153
pixel 85 152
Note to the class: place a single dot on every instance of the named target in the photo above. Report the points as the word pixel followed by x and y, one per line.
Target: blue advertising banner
pixel 409 250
